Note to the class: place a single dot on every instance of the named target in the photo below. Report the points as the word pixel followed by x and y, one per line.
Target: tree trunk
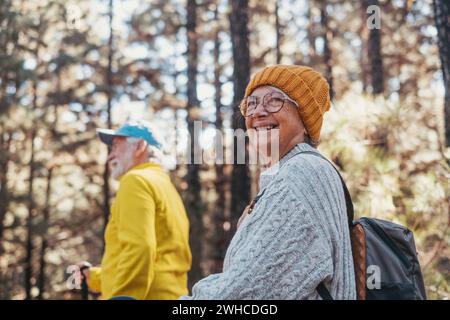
pixel 44 244
pixel 193 197
pixel 240 180
pixel 109 81
pixel 5 144
pixel 219 240
pixel 375 55
pixel 31 207
pixel 311 33
pixel 5 138
pixel 278 32
pixel 327 54
pixel 363 32
pixel 442 19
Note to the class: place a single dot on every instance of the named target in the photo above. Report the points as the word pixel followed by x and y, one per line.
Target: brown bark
pixel 311 33
pixel 5 144
pixel 5 137
pixel 240 179
pixel 375 56
pixel 327 54
pixel 193 198
pixel 219 240
pixel 31 207
pixel 363 53
pixel 109 81
pixel 44 243
pixel 442 20
pixel 278 32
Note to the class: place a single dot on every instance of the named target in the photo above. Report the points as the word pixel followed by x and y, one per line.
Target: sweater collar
pixel 268 175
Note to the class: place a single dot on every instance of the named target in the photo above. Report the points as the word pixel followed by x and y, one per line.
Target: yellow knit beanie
pixel 302 84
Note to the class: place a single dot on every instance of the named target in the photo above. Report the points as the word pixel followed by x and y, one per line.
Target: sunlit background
pixel 63 74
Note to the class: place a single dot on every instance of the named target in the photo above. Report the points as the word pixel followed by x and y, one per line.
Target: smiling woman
pixel 294 237
pixel 274 117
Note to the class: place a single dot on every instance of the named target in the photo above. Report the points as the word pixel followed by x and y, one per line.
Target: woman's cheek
pixel 275 142
pixel 252 136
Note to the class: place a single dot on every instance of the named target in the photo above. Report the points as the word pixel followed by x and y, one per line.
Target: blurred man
pixel 147 253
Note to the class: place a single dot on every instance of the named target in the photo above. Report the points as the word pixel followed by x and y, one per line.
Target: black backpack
pixel 384 257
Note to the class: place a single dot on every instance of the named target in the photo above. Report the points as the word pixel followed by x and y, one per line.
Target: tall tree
pixel 240 178
pixel 5 146
pixel 44 243
pixel 193 200
pixel 31 202
pixel 11 76
pixel 109 98
pixel 38 29
pixel 442 19
pixel 327 37
pixel 374 51
pixel 278 31
pixel 219 246
pixel 311 32
pixel 363 32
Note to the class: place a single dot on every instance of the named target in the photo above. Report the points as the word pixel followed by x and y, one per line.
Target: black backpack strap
pixel 323 292
pixel 348 198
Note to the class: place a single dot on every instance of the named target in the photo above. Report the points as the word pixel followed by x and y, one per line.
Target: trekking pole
pixel 84 285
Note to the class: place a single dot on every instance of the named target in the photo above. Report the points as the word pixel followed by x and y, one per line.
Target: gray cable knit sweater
pixel 296 237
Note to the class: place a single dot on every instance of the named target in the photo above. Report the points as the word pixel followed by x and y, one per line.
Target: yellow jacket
pixel 147 253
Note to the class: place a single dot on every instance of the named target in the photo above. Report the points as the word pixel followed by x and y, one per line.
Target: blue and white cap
pixel 132 130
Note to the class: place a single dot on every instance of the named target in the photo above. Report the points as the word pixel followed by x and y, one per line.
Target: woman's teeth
pixel 265 128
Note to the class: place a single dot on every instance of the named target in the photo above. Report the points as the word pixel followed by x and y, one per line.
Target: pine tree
pixel 193 201
pixel 442 19
pixel 374 51
pixel 240 179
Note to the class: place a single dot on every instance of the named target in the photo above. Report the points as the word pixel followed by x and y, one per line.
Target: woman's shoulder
pixel 301 171
pixel 304 172
pixel 305 164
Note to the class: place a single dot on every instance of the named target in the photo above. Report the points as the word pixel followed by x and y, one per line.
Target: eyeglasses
pixel 272 102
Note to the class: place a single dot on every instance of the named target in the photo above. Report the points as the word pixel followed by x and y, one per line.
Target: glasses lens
pixel 274 101
pixel 250 104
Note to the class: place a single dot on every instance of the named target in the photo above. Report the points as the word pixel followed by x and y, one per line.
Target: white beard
pixel 117 171
pixel 119 168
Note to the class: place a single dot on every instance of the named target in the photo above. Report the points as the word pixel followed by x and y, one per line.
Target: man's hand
pixel 244 215
pixel 84 269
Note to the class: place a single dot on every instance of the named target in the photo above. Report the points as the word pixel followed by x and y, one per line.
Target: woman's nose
pixel 260 111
